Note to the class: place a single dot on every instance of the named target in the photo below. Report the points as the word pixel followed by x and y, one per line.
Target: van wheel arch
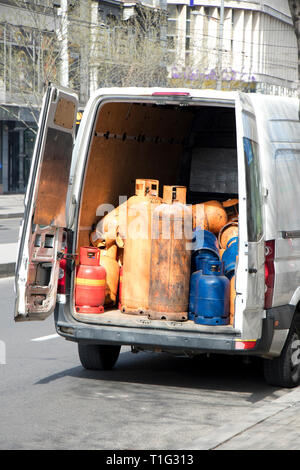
pixel 284 370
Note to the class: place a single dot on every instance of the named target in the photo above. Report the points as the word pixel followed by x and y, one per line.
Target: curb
pixel 227 432
pixel 7 269
pixel 17 215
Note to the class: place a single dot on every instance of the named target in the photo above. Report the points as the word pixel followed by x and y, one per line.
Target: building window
pixel 172 12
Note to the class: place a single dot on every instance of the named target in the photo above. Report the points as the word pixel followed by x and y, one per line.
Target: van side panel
pixel 279 135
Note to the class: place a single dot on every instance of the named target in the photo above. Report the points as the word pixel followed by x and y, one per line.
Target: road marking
pixel 45 338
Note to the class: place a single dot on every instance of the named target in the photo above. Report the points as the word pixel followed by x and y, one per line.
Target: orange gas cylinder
pixel 174 193
pixel 232 299
pixel 200 217
pixel 210 216
pixel 137 247
pixel 216 215
pixel 170 262
pixel 89 282
pixel 227 232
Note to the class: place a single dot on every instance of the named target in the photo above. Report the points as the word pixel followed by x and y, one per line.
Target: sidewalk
pixel 271 426
pixel 11 207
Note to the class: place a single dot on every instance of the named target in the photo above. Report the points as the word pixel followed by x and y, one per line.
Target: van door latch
pixel 252 270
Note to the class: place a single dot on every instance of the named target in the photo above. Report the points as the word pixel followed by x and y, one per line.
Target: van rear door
pixel 42 231
pixel 250 271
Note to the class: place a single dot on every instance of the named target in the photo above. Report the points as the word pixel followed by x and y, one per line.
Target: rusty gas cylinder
pixel 170 262
pixel 137 247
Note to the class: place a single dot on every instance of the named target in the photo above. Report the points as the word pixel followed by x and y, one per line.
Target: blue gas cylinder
pixel 229 257
pixel 205 248
pixel 205 240
pixel 200 257
pixel 209 295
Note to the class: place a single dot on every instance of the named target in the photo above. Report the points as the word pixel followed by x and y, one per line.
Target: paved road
pixel 9 230
pixel 149 401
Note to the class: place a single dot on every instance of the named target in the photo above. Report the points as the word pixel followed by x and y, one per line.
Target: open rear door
pixel 42 232
pixel 250 271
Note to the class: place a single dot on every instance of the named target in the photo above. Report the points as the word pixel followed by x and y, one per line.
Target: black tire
pixel 284 371
pixel 98 356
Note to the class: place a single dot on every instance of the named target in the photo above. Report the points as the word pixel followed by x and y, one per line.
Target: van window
pixel 287 164
pixel 254 196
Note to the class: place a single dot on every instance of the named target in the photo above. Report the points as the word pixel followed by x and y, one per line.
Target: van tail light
pixel 269 272
pixel 61 285
pixel 247 344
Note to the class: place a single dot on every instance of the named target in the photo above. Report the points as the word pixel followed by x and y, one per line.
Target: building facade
pixel 249 45
pixel 59 41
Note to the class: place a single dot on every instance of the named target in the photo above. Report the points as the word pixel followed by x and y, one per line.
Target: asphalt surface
pixel 149 401
pixel 9 230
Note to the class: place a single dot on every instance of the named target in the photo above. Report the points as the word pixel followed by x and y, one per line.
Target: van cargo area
pixel 188 145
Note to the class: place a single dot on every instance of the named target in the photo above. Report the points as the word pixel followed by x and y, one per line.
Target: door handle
pixel 252 270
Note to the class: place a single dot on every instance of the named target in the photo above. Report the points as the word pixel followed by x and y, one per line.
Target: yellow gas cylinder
pixel 120 256
pixel 112 277
pixel 137 247
pixel 170 261
pixel 110 249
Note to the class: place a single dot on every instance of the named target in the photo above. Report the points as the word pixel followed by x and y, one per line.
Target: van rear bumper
pixel 190 343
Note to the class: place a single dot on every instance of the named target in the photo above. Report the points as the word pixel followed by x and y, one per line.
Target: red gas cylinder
pixel 90 282
pixel 120 287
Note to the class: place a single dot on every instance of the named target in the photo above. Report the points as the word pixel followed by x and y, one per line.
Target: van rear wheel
pixel 98 356
pixel 284 371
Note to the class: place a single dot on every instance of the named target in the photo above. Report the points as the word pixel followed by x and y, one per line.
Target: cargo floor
pixel 117 318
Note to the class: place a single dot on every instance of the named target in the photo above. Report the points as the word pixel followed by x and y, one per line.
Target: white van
pixel 220 145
